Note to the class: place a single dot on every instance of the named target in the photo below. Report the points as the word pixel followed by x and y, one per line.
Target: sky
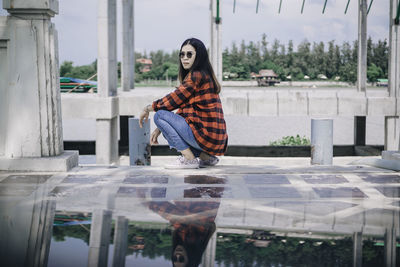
pixel 165 24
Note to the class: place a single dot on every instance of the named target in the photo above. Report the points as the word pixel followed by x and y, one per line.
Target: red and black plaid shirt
pixel 197 102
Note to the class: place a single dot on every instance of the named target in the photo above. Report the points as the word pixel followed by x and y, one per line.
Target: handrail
pixel 323 10
pixel 347 6
pixel 280 5
pixel 302 7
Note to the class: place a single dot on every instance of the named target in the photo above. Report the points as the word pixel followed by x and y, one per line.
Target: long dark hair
pixel 201 63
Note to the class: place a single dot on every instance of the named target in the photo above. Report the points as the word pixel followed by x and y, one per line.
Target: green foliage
pixel 374 73
pixel 291 141
pixel 81 72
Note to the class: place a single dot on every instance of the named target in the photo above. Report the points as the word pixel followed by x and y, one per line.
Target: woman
pixel 197 130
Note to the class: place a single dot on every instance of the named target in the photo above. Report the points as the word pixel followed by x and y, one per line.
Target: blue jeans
pixel 176 131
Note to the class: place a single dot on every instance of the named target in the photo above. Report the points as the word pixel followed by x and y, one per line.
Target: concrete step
pixel 391 155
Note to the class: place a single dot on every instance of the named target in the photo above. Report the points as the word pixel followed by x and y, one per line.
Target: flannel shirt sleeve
pixel 178 98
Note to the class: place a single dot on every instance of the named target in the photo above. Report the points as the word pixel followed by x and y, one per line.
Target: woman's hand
pixel 145 115
pixel 154 136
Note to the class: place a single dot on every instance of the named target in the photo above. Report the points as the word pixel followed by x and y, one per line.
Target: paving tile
pixel 17 190
pixel 324 179
pixel 204 179
pixel 348 192
pixel 274 192
pixel 146 179
pixel 26 179
pixel 380 179
pixel 389 191
pixel 140 192
pixel 83 179
pixel 265 179
pixel 320 208
pixel 208 192
pixel 76 191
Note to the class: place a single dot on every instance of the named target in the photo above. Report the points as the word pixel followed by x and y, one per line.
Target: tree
pixel 65 68
pixel 374 73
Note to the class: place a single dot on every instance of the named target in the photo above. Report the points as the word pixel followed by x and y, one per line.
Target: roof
pixel 267 73
pixel 144 61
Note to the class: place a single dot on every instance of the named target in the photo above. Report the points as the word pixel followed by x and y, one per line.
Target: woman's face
pixel 180 257
pixel 187 55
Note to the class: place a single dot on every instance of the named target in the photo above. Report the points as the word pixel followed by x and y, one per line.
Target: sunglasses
pixel 178 258
pixel 188 54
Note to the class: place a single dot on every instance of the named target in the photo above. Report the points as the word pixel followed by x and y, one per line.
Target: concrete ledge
pixel 133 105
pixel 84 106
pixel 61 163
pixel 382 106
pixel 379 163
pixel 391 155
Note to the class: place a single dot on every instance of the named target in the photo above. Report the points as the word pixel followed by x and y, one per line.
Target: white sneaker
pixel 182 163
pixel 212 161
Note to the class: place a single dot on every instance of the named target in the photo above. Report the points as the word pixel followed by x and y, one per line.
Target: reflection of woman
pixel 193 224
pixel 198 129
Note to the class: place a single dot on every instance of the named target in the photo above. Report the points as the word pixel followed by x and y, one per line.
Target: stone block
pixel 31 6
pixel 263 104
pixel 61 163
pixel 292 103
pixel 381 106
pixel 349 106
pixel 89 106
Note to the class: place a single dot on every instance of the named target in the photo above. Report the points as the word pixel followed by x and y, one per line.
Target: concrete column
pixel 216 38
pixel 210 252
pixel 30 102
pixel 362 46
pixel 120 241
pixel 321 141
pixel 107 141
pixel 100 231
pixel 357 249
pixel 128 48
pixel 392 133
pixel 107 48
pixel 394 53
pixel 107 129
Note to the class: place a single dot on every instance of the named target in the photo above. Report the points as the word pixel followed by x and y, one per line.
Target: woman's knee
pixel 159 115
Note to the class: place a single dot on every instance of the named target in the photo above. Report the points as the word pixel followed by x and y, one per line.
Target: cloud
pixel 165 25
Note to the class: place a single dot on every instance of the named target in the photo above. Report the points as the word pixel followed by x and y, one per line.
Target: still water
pixel 226 216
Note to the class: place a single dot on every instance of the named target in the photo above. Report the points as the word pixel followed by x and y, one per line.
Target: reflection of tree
pixel 236 250
pixel 75 231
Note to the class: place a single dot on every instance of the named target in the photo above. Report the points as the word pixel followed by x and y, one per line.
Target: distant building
pixel 266 77
pixel 146 64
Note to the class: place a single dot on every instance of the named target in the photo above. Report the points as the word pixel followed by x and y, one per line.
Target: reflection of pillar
pixel 216 38
pixel 128 49
pixel 362 46
pixel 120 241
pixel 357 249
pixel 100 231
pixel 107 129
pixel 392 127
pixel 209 254
pixel 390 247
pixel 26 230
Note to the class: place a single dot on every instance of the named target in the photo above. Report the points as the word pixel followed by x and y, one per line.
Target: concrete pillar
pixel 216 38
pixel 392 133
pixel 128 48
pixel 321 141
pixel 120 241
pixel 100 231
pixel 30 103
pixel 362 46
pixel 107 141
pixel 210 252
pixel 394 53
pixel 139 143
pixel 107 129
pixel 357 249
